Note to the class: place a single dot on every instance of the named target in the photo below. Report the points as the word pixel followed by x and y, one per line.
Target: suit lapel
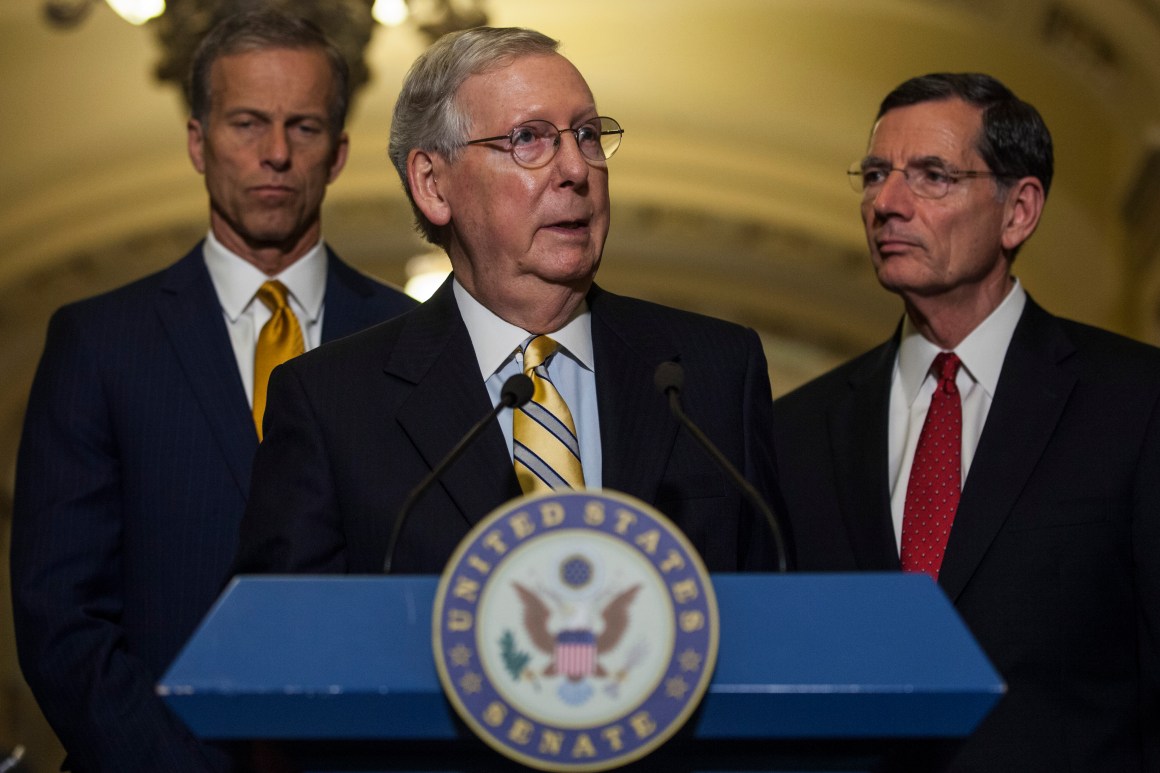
pixel 1029 400
pixel 637 431
pixel 192 319
pixel 346 294
pixel 435 355
pixel 857 427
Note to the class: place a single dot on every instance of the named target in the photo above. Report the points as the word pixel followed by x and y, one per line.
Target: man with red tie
pixel 1011 455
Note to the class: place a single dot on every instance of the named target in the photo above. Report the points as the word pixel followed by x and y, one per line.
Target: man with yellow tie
pixel 135 462
pixel 505 158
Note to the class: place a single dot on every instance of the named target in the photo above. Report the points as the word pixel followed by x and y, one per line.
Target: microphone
pixel 669 378
pixel 515 393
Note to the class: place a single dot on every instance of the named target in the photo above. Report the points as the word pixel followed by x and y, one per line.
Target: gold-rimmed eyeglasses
pixel 930 181
pixel 534 143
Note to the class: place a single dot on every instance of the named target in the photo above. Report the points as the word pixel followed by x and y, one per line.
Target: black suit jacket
pixel 133 472
pixel 351 428
pixel 1054 557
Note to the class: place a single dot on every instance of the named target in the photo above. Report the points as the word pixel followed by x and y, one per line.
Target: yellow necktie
pixel 547 453
pixel 279 340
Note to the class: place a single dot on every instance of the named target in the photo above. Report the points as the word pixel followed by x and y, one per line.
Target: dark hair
pixel 259 31
pixel 1014 143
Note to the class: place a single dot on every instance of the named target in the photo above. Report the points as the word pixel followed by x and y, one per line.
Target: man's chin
pixel 898 274
pixel 282 237
pixel 569 270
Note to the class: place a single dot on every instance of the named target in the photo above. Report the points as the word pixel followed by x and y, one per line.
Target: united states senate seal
pixel 575 631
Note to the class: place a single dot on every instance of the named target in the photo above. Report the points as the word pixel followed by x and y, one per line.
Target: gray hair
pixel 426 115
pixel 259 31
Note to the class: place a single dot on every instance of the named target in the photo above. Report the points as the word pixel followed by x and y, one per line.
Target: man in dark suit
pixel 1043 527
pixel 500 147
pixel 134 466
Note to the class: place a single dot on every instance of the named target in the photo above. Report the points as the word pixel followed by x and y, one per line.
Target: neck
pixel 546 314
pixel 946 319
pixel 538 307
pixel 271 258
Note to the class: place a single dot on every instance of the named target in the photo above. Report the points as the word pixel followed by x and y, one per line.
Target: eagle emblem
pixel 575 631
pixel 575 625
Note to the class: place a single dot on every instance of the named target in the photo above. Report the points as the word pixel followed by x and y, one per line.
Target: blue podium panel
pixel 844 656
pixel 840 656
pixel 313 658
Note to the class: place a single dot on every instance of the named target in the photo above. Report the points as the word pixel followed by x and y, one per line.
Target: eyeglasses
pixel 930 181
pixel 534 143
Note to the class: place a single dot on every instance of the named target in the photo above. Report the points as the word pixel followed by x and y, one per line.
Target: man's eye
pixel 934 174
pixel 873 176
pixel 524 135
pixel 588 134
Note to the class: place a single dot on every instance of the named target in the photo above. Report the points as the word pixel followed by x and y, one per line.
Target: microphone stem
pixel 751 494
pixel 506 401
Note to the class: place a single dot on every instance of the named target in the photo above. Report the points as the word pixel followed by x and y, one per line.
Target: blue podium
pixel 814 672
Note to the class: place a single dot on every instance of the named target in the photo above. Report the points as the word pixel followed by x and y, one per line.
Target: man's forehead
pixel 521 87
pixel 269 58
pixel 946 129
pixel 251 73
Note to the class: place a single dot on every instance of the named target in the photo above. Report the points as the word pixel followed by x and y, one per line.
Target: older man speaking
pixel 504 156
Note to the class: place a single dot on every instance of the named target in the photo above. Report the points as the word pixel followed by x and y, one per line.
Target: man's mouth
pixel 894 243
pixel 570 224
pixel 272 190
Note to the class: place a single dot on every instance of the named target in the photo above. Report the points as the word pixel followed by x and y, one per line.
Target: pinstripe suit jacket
pixel 132 476
pixel 353 427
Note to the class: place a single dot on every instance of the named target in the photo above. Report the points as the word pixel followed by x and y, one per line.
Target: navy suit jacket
pixel 352 428
pixel 1054 557
pixel 133 473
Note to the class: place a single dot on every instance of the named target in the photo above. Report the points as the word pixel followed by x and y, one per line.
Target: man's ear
pixel 338 161
pixel 423 173
pixel 195 141
pixel 1022 212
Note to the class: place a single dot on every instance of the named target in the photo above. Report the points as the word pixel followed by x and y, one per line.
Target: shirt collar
pixel 495 340
pixel 982 352
pixel 236 280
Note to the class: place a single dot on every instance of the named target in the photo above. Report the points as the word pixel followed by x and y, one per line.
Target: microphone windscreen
pixel 516 391
pixel 669 375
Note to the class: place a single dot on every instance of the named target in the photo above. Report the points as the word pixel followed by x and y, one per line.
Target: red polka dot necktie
pixel 932 495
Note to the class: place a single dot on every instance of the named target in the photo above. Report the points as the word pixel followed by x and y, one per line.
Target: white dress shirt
pixel 572 369
pixel 982 354
pixel 236 281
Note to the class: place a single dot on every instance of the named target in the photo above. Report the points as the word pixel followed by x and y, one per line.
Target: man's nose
pixel 276 151
pixel 569 159
pixel 894 195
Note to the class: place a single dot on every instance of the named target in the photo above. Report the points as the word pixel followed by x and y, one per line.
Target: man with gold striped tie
pixel 505 158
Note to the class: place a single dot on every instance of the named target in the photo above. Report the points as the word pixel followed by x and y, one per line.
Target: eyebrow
pixel 586 113
pixel 874 161
pixel 267 116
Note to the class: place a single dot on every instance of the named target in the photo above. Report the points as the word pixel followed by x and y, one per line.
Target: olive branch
pixel 514 659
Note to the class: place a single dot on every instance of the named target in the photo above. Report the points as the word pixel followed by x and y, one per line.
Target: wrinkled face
pixel 930 247
pixel 266 150
pixel 513 229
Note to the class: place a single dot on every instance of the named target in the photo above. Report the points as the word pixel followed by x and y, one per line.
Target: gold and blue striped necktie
pixel 546 450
